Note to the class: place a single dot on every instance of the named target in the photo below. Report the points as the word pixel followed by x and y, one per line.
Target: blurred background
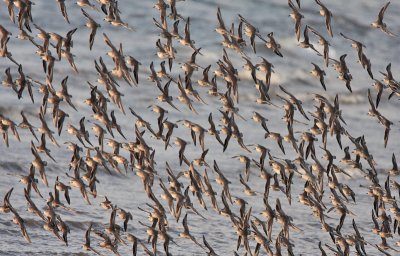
pixel 352 18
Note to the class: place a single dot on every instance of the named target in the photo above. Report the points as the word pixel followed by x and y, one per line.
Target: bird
pixel 306 41
pixel 63 9
pixel 276 136
pixel 379 86
pixel 115 19
pixel 32 207
pixel 319 73
pixel 383 120
pixel 76 181
pixel 247 190
pixel 212 130
pixel 42 147
pixel 272 44
pixel 5 208
pixel 186 234
pixel 221 29
pixel 135 64
pixel 208 246
pixel 22 82
pixel 295 101
pixel 205 80
pixel 4 34
pixel 184 98
pixel 355 44
pixel 250 31
pixel 39 164
pixel 8 80
pixel 379 22
pixel 186 40
pixel 165 97
pixel 395 170
pixel 182 144
pixel 62 187
pixel 246 160
pixel 93 25
pixel 266 67
pixel 86 3
pixel 296 16
pixel 26 125
pixel 258 118
pixel 322 41
pixel 20 222
pixel 328 16
pixel 86 246
pixel 250 67
pixel 44 129
pixel 264 151
pixel 342 69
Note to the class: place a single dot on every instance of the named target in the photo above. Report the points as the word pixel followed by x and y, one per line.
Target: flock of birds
pixel 185 192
